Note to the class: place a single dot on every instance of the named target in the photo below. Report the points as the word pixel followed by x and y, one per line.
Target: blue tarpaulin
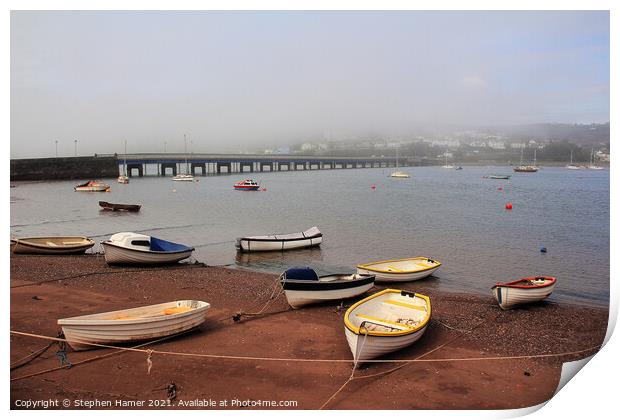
pixel 301 273
pixel 165 246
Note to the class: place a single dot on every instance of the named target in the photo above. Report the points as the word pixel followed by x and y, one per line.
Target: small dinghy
pixel 303 286
pixel 405 269
pixel 498 176
pixel 281 242
pixel 119 207
pixel 385 322
pixel 523 291
pixel 136 324
pixel 134 248
pixel 92 186
pixel 51 245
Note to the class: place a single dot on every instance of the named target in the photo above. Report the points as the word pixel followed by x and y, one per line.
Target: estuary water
pixel 456 217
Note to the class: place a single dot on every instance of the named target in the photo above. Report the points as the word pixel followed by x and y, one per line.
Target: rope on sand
pixel 272 298
pixel 94 273
pixel 300 360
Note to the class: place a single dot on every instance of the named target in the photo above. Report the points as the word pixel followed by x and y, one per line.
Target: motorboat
pixel 134 248
pixel 92 186
pixel 246 185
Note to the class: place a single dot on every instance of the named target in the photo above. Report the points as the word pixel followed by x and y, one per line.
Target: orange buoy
pixel 263 189
pixel 508 206
pixel 373 186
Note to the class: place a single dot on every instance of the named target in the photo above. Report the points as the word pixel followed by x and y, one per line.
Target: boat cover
pixel 300 273
pixel 165 246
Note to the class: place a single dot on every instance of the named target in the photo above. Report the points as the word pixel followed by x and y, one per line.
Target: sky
pixel 235 81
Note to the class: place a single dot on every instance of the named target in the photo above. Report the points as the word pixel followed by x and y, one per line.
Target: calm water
pixel 457 217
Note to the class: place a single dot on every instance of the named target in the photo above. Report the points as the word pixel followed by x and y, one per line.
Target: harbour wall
pixel 81 167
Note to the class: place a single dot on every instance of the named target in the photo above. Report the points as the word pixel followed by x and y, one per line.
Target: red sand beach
pixel 44 289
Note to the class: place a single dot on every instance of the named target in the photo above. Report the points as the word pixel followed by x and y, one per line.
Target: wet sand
pixel 44 289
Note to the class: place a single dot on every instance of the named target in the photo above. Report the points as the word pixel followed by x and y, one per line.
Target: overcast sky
pixel 234 80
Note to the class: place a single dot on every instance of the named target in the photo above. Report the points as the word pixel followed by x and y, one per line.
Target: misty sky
pixel 236 80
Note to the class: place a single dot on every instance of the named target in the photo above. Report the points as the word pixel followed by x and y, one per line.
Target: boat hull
pixel 397 277
pixel 23 246
pixel 81 330
pixel 246 188
pixel 508 297
pixel 115 254
pixel 253 245
pixel 119 207
pixel 302 293
pixel 367 347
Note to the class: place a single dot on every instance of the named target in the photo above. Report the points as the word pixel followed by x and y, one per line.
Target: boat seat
pixel 48 243
pixel 394 269
pixel 405 305
pixel 177 310
pixel 383 322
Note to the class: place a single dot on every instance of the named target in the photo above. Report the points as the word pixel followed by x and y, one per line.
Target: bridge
pixel 205 164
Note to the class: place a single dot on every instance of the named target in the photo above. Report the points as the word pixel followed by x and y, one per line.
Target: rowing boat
pixel 404 269
pixel 523 291
pixel 119 207
pixel 51 245
pixel 385 322
pixel 281 242
pixel 134 248
pixel 303 286
pixel 92 186
pixel 135 324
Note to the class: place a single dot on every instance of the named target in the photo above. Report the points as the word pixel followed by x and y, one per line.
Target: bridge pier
pixel 165 166
pixel 219 167
pixel 202 166
pixel 243 165
pixel 263 164
pixel 131 167
pixel 287 164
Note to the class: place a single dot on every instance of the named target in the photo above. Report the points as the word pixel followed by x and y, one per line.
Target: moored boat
pixel 523 291
pixel 385 322
pixel 399 174
pixel 494 176
pixel 525 168
pixel 404 269
pixel 183 177
pixel 119 207
pixel 281 242
pixel 303 286
pixel 135 324
pixel 246 185
pixel 138 249
pixel 51 245
pixel 92 186
pixel 123 179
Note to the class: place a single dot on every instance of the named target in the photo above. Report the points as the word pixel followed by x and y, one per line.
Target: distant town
pixel 542 142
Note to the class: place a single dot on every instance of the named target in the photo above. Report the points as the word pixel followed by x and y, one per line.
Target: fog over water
pixel 234 81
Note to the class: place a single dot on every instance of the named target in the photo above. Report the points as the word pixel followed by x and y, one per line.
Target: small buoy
pixel 500 188
pixel 373 186
pixel 263 189
pixel 508 206
pixel 174 190
pixel 543 249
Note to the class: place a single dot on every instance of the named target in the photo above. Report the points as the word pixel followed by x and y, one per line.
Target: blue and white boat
pixel 136 249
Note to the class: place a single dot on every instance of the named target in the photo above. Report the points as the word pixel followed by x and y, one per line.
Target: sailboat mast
pixel 186 165
pixel 125 163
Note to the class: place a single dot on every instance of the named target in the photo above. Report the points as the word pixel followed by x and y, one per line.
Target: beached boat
pixel 51 245
pixel 526 290
pixel 404 269
pixel 281 242
pixel 92 186
pixel 498 176
pixel 134 248
pixel 135 324
pixel 385 322
pixel 246 185
pixel 303 286
pixel 119 207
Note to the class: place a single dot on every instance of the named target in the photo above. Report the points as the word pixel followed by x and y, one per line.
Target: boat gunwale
pixel 514 285
pixel 108 242
pixel 299 285
pixel 356 330
pixel 366 266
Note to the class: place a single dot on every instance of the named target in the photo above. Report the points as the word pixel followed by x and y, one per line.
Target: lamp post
pixel 75 141
pixel 56 141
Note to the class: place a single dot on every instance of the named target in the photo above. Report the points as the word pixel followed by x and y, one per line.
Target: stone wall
pixel 84 167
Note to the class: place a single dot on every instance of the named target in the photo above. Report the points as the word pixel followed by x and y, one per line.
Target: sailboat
pixel 398 173
pixel 524 168
pixel 124 179
pixel 446 166
pixel 186 176
pixel 592 165
pixel 571 165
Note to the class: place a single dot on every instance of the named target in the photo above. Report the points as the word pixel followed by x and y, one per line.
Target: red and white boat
pixel 523 291
pixel 92 186
pixel 247 185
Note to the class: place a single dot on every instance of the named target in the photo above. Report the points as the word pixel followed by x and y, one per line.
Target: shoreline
pixel 75 285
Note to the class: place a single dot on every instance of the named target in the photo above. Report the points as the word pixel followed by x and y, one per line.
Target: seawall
pixel 81 167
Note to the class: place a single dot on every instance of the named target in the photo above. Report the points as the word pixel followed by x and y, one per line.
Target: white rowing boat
pixel 303 286
pixel 404 269
pixel 51 245
pixel 134 248
pixel 385 322
pixel 135 324
pixel 281 242
pixel 523 291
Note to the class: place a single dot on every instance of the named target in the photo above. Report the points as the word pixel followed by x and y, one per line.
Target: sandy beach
pixel 463 326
